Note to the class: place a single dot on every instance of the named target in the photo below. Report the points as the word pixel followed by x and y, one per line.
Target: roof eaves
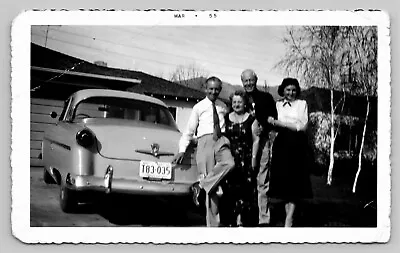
pixel 67 72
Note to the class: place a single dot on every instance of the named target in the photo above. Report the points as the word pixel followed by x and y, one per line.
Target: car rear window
pixel 123 108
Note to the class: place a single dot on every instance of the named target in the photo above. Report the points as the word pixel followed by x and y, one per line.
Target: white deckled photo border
pixel 20 113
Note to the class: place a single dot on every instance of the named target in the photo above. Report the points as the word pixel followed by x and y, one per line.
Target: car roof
pixel 86 93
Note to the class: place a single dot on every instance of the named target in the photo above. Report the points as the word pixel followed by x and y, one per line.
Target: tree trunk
pixel 332 148
pixel 361 147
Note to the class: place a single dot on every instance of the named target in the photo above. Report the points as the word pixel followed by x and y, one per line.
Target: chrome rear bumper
pixel 108 184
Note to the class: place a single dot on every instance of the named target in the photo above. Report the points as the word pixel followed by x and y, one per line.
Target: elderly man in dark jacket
pixel 263 105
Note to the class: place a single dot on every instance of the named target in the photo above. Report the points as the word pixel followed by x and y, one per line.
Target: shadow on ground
pixel 149 211
pixel 331 206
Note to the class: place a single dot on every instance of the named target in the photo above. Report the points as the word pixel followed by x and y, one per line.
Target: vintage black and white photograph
pixel 220 126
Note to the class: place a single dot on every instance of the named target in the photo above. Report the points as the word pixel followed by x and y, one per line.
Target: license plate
pixel 159 170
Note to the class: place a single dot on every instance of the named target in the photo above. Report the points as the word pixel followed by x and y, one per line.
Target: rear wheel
pixel 47 178
pixel 68 200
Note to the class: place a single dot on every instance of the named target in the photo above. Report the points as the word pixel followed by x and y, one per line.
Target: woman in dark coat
pixel 289 178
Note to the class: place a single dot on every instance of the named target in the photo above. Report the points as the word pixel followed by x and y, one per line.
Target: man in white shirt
pixel 214 158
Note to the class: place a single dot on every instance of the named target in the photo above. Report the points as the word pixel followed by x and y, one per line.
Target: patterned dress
pixel 240 191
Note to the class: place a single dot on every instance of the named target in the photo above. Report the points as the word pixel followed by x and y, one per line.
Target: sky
pixel 222 51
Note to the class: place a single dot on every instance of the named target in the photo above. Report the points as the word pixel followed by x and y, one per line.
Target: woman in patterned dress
pixel 240 188
pixel 289 175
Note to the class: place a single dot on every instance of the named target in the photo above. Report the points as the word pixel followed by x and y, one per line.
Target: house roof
pixel 81 74
pixel 150 85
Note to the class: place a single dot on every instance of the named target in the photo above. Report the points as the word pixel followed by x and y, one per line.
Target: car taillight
pixel 85 138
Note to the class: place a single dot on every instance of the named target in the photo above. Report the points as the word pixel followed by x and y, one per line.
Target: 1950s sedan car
pixel 114 141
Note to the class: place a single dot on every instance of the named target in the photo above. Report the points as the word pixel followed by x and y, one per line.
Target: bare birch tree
pixel 363 50
pixel 316 55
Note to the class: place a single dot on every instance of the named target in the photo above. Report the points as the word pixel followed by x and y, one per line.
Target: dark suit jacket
pixel 264 106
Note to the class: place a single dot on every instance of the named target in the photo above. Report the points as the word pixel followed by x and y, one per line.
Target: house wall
pixel 40 121
pixel 183 110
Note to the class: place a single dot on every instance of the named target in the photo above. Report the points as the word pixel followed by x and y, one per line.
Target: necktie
pixel 217 129
pixel 252 106
pixel 251 103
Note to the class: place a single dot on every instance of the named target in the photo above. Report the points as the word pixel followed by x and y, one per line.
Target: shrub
pixel 319 138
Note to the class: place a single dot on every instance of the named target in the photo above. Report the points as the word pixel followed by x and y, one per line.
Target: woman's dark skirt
pixel 290 167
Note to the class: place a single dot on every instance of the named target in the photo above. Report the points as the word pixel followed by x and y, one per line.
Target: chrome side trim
pixel 59 144
pixel 136 187
pixel 150 152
